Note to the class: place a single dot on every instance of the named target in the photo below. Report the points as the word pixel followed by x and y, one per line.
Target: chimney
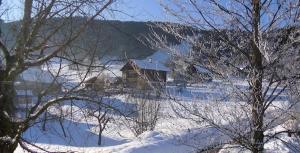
pixel 150 60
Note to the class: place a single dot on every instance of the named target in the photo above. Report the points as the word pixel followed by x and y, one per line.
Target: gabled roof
pixel 201 69
pixel 36 75
pixel 161 56
pixel 147 65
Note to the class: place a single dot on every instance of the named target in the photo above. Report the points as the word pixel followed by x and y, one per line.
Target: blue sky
pixel 141 10
pixel 135 10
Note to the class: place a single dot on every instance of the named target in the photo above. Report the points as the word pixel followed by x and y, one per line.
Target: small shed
pixel 100 82
pixel 144 74
pixel 198 73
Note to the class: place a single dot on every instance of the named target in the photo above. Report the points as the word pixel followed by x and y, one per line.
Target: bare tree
pixel 102 114
pixel 262 36
pixel 46 31
pixel 146 113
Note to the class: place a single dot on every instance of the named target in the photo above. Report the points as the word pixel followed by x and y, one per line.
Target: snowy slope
pixel 171 135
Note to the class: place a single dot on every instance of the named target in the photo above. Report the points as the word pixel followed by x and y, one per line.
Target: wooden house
pixel 31 82
pixel 144 74
pixel 24 99
pixel 29 85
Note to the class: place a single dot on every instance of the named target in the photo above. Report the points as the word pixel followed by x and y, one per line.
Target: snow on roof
pixel 201 69
pixel 165 54
pixel 182 49
pixel 150 65
pixel 37 75
pixel 57 60
pixel 161 56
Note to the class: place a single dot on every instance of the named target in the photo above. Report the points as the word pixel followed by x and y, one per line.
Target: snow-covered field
pixel 172 134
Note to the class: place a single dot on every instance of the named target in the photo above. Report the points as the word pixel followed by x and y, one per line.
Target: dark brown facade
pixel 137 77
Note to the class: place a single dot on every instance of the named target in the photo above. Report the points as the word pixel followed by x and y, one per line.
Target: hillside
pixel 109 38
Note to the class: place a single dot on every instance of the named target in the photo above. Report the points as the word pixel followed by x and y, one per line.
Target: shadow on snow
pixel 76 134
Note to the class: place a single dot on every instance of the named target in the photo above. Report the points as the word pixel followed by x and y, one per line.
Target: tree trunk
pixel 100 136
pixel 8 129
pixel 5 148
pixel 257 136
pixel 7 96
pixel 257 118
pixel 257 103
pixel 8 135
pixel 44 122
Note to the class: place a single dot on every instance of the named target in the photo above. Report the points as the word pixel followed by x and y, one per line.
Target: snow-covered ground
pixel 173 134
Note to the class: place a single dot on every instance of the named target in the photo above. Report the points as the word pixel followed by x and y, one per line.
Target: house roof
pixel 202 69
pixel 37 75
pixel 148 65
pixel 161 56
